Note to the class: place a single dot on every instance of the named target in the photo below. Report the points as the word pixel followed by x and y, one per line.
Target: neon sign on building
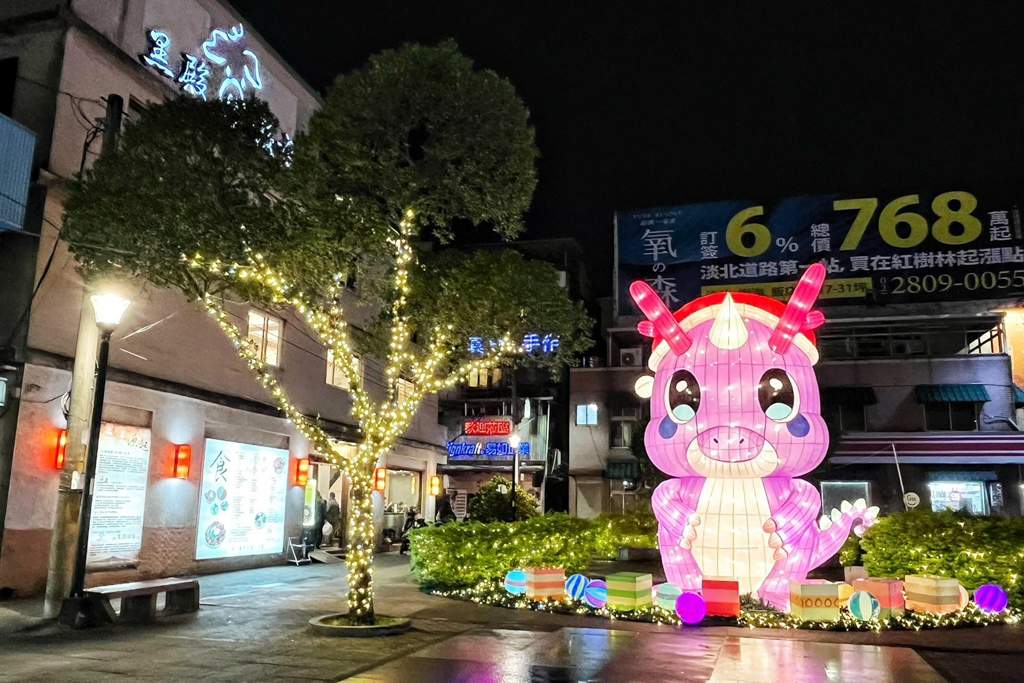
pixel 225 63
pixel 531 342
pixel 735 419
pixel 487 427
pixel 491 449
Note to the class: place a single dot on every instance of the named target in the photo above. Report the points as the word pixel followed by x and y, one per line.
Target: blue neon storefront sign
pixel 490 449
pixel 226 63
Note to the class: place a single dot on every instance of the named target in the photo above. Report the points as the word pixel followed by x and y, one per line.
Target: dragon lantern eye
pixel 683 396
pixel 778 395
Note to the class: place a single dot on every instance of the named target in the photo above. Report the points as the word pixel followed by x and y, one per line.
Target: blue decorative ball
pixel 596 594
pixel 864 606
pixel 515 582
pixel 991 598
pixel 576 586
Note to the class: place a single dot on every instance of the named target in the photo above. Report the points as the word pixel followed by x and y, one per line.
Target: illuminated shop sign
pixel 242 500
pixel 487 427
pixel 225 63
pixel 490 449
pixel 531 342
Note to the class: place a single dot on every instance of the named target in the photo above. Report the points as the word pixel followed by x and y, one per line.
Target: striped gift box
pixel 817 600
pixel 935 594
pixel 629 590
pixel 888 592
pixel 545 583
pixel 721 595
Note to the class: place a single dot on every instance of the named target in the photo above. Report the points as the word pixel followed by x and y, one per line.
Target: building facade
pixel 922 398
pixel 175 381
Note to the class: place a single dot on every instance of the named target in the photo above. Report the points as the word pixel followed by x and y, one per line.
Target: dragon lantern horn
pixel 728 332
pixel 798 311
pixel 660 317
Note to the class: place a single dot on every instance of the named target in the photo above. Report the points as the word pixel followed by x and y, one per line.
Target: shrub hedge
pixel 973 550
pixel 464 554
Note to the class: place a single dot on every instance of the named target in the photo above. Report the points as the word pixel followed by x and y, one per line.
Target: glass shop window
pixel 958 495
pixel 833 493
pixel 586 415
pixel 485 379
pixel 951 417
pixel 336 376
pixel 265 334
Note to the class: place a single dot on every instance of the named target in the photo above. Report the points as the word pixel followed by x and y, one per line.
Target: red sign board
pixel 487 428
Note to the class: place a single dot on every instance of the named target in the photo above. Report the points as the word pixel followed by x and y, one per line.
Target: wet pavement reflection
pixel 581 654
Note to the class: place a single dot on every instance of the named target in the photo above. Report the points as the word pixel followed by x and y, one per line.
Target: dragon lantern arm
pixel 675 506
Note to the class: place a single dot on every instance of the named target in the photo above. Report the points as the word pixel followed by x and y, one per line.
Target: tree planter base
pixel 337 626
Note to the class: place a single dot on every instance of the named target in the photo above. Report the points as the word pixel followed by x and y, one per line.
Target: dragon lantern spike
pixel 660 317
pixel 798 314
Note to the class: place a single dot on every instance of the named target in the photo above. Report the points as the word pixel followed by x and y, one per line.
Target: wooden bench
pixel 138 599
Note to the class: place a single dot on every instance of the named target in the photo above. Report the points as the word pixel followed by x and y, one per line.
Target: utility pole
pixel 64 541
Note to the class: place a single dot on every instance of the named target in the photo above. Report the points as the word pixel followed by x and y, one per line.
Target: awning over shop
pixel 849 396
pixel 962 476
pixel 951 393
pixel 622 469
pixel 1018 396
pixel 989 448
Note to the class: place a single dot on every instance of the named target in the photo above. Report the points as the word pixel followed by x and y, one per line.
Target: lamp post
pixel 514 442
pixel 77 610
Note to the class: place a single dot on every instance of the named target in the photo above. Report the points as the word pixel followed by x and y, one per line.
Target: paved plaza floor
pixel 252 626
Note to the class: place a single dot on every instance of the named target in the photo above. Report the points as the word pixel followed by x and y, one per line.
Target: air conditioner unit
pixel 632 357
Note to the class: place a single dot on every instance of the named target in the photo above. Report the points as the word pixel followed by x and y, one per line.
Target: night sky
pixel 646 104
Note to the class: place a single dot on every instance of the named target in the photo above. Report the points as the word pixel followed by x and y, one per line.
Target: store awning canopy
pixel 950 448
pixel 622 469
pixel 1018 396
pixel 849 396
pixel 951 393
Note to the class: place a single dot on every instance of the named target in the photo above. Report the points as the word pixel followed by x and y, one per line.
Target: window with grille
pixel 951 417
pixel 405 388
pixel 335 375
pixel 265 334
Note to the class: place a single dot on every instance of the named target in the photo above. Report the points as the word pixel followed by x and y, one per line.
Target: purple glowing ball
pixel 991 598
pixel 596 593
pixel 691 608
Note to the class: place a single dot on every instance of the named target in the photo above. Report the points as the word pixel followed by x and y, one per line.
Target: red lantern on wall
pixel 380 479
pixel 182 460
pixel 301 471
pixel 61 450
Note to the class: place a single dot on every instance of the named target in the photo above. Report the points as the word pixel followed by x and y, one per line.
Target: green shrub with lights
pixel 464 554
pixel 491 502
pixel 973 550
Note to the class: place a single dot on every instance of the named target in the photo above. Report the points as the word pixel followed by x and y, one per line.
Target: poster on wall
pixel 943 244
pixel 119 497
pixel 242 500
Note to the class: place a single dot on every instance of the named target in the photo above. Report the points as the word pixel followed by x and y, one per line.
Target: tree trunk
pixel 360 549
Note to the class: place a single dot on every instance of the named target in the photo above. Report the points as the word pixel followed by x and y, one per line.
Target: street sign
pixel 912 500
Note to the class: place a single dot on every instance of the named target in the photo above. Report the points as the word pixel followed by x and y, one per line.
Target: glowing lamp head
pixel 514 442
pixel 61 450
pixel 302 472
pixel 109 308
pixel 182 461
pixel 380 479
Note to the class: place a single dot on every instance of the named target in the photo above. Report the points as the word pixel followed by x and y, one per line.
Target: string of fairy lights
pixel 493 593
pixel 380 423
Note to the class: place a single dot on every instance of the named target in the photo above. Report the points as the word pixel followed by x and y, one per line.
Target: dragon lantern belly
pixel 730 539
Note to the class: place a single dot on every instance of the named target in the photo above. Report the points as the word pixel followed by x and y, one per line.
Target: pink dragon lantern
pixel 735 419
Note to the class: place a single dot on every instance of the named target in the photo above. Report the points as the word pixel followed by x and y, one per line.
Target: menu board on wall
pixel 119 497
pixel 242 500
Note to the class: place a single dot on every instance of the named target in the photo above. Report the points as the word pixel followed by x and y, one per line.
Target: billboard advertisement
pixel 242 500
pixel 899 248
pixel 119 497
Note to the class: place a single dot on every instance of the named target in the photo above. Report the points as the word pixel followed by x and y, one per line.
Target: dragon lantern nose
pixel 730 444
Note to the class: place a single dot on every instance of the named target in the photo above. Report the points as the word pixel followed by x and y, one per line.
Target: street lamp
pixel 514 442
pixel 77 610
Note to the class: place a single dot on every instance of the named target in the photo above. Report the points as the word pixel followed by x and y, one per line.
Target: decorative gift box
pixel 542 584
pixel 629 590
pixel 935 594
pixel 888 592
pixel 721 595
pixel 817 600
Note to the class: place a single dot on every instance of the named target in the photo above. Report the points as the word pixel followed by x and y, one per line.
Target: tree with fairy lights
pixel 346 230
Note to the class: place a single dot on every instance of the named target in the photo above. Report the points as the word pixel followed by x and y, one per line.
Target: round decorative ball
pixel 691 608
pixel 965 597
pixel 991 598
pixel 667 596
pixel 576 586
pixel 515 582
pixel 596 593
pixel 864 606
